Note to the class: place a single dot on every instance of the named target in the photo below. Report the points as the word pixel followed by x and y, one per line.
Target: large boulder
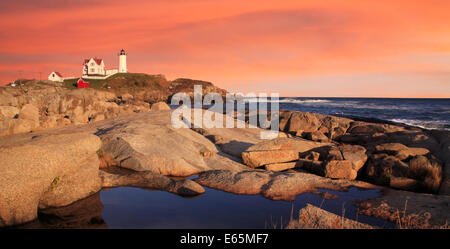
pixel 298 122
pixel 43 170
pixel 304 121
pixel 356 154
pixel 340 170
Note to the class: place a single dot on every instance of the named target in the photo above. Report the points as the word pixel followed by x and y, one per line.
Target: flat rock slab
pixel 273 185
pixel 279 150
pixel 297 144
pixel 148 142
pixel 312 217
pixel 280 166
pixel 256 159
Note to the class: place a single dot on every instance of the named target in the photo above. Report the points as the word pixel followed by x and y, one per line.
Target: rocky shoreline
pixel 46 164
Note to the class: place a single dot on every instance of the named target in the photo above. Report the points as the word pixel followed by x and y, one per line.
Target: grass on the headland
pixel 93 83
pixel 123 82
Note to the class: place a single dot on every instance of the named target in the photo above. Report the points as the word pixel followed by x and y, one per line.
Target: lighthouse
pixel 122 62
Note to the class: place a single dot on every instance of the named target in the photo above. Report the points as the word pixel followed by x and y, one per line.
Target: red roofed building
pixel 56 76
pixel 82 84
pixel 94 67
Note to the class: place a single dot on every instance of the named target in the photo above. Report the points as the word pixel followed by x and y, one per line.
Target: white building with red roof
pixel 94 67
pixel 56 76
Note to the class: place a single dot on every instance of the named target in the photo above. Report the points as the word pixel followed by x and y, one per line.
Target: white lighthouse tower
pixel 122 62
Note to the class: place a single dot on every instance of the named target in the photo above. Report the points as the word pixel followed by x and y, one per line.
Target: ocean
pixel 423 113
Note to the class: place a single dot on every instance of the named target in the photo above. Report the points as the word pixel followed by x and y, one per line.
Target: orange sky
pixel 297 48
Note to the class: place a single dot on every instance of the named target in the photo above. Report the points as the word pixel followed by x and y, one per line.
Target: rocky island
pixel 60 145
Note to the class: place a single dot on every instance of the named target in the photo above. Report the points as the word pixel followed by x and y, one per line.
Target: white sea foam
pixel 303 101
pixel 292 101
pixel 431 125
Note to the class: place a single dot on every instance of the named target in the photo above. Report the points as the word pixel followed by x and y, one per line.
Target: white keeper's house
pixel 56 76
pixel 94 68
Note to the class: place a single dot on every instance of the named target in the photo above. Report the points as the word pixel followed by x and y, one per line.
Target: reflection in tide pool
pixel 127 207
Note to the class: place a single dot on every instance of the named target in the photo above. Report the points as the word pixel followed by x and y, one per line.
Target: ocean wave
pixel 302 101
pixel 430 125
pixel 291 101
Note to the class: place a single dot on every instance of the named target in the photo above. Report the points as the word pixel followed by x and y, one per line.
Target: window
pixel 92 70
pixel 92 63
